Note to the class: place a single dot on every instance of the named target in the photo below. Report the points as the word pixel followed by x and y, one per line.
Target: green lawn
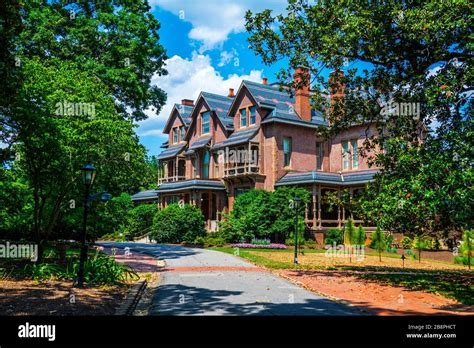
pixel 455 284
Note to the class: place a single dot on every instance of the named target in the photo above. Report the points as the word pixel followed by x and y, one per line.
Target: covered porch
pixel 209 195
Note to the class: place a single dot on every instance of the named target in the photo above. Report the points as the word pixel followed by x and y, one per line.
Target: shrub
pixel 199 241
pixel 360 236
pixel 467 247
pixel 379 241
pixel 176 224
pixel 419 243
pixel 333 235
pixel 463 260
pixel 263 214
pixel 260 241
pixel 311 244
pixel 214 242
pixel 139 220
pixel 406 242
pixel 350 233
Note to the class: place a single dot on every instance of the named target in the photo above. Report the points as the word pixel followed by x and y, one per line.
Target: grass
pixel 451 283
pixel 457 287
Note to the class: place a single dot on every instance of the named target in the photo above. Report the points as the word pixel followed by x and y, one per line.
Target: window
pixel 319 155
pixel 175 135
pixel 243 118
pixel 205 122
pixel 216 165
pixel 253 115
pixel 286 151
pixel 355 154
pixel 194 164
pixel 182 133
pixel 345 155
pixel 205 165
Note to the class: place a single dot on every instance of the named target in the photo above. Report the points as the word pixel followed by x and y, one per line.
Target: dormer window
pixel 205 127
pixel 243 118
pixel 253 115
pixel 182 132
pixel 175 135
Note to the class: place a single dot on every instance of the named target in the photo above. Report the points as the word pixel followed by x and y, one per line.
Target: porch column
pixel 176 168
pixel 315 210
pixel 320 225
pixel 339 209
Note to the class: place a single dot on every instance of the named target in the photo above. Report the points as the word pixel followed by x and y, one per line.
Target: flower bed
pixel 259 246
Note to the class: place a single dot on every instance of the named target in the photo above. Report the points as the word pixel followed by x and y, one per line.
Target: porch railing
pixel 245 169
pixel 171 179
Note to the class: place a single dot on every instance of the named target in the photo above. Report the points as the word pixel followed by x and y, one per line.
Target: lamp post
pixel 88 176
pixel 297 200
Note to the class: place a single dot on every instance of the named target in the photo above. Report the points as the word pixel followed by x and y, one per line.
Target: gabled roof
pixel 349 178
pixel 171 151
pixel 281 104
pixel 184 114
pixel 238 137
pixel 220 105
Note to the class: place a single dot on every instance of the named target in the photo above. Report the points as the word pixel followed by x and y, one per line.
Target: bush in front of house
pixel 140 220
pixel 176 224
pixel 259 246
pixel 263 215
pixel 406 242
pixel 333 235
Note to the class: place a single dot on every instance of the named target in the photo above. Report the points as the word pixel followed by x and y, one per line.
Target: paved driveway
pixel 206 282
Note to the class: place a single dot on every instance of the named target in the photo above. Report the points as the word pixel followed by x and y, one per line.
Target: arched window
pixel 205 165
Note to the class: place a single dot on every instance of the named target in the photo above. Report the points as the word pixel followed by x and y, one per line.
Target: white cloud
pixel 226 57
pixel 214 20
pixel 185 80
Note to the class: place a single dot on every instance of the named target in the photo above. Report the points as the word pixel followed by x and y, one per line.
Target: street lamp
pixel 297 201
pixel 88 176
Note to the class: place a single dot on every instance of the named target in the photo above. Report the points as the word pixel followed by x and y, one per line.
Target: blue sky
pixel 208 51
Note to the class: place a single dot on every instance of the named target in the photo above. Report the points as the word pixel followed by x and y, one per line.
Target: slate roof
pixel 164 145
pixel 171 151
pixel 184 112
pixel 238 137
pixel 198 144
pixel 282 103
pixel 310 177
pixel 183 185
pixel 145 195
pixel 220 105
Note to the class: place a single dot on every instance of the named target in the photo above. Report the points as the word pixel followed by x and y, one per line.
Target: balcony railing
pixel 245 169
pixel 171 179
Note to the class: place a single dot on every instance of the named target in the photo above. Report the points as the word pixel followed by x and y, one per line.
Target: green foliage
pixel 467 246
pixel 378 241
pixel 263 214
pixel 176 224
pixel 423 188
pixel 406 242
pixel 350 233
pixel 99 269
pixel 214 241
pixel 420 243
pixel 333 235
pixel 140 220
pixel 111 217
pixel 360 236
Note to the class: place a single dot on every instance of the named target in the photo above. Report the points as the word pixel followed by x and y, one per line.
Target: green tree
pixel 378 241
pixel 412 52
pixel 350 233
pixel 140 220
pixel 176 224
pixel 419 243
pixel 467 246
pixel 360 236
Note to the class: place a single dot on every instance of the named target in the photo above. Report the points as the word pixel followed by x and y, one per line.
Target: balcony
pixel 171 179
pixel 241 170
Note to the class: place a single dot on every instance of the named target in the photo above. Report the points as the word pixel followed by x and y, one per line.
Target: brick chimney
pixel 231 93
pixel 264 81
pixel 187 102
pixel 336 87
pixel 302 78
